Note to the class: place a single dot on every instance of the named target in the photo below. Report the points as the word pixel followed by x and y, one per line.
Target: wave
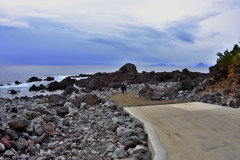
pixel 23 88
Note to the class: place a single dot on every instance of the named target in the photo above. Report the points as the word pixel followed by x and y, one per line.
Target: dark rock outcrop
pixel 17 82
pixel 101 80
pixel 61 85
pixel 128 68
pixel 37 88
pixel 217 73
pixel 69 90
pixel 188 85
pixel 34 79
pixel 12 91
pixel 49 79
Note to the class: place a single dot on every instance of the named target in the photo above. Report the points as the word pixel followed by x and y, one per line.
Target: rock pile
pixel 71 127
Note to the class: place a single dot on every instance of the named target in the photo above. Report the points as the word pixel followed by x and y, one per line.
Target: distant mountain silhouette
pixel 201 65
pixel 163 64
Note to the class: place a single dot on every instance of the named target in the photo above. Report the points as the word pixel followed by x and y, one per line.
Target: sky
pixel 105 32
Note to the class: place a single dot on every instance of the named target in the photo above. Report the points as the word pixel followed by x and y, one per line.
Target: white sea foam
pixel 60 78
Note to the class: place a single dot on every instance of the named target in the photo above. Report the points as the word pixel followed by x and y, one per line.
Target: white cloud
pixel 13 23
pixel 109 19
pixel 39 15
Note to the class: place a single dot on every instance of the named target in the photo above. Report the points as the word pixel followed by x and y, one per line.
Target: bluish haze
pixel 76 32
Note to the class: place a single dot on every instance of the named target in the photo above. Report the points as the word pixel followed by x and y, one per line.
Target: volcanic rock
pixel 185 70
pixel 218 73
pixel 61 85
pixel 18 123
pixel 6 141
pixel 17 82
pixel 43 110
pixel 187 85
pixel 49 128
pixel 33 79
pixel 8 153
pixel 38 129
pixel 146 92
pixel 87 98
pixel 12 91
pixel 119 153
pixel 37 88
pixel 11 133
pixel 49 79
pixel 128 68
pixel 2 147
pixel 56 100
pixel 61 111
pixel 21 143
pixel 139 149
pixel 130 145
pixel 69 90
pixel 30 114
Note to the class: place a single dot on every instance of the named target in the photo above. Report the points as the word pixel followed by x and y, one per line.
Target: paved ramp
pixel 195 131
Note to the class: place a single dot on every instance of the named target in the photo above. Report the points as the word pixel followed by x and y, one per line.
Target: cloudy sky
pixel 71 32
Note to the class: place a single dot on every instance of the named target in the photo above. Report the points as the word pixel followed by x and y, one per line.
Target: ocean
pixel 10 74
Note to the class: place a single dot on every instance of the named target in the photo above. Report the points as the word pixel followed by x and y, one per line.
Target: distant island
pixel 201 65
pixel 163 64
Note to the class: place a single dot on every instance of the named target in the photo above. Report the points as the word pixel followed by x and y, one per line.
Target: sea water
pixel 10 74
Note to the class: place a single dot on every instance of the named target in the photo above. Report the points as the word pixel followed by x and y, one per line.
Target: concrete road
pixel 195 131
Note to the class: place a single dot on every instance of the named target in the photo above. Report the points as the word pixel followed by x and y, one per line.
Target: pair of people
pixel 124 87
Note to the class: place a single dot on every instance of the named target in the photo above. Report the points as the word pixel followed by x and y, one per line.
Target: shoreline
pixel 77 126
pixel 86 120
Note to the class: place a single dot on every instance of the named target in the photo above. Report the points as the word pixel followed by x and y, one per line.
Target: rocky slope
pixel 77 126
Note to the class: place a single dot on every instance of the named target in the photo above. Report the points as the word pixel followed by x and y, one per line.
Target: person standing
pixel 125 86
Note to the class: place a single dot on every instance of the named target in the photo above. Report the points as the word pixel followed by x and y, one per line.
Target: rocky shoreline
pixel 80 123
pixel 77 126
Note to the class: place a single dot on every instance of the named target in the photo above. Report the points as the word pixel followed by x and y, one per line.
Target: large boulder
pixel 87 98
pixel 128 68
pixel 62 111
pixel 17 82
pixel 37 88
pixel 69 90
pixel 49 79
pixel 18 123
pixel 12 91
pixel 188 85
pixel 30 114
pixel 56 100
pixel 61 85
pixel 34 79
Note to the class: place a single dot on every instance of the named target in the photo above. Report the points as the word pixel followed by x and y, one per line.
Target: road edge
pixel 154 144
